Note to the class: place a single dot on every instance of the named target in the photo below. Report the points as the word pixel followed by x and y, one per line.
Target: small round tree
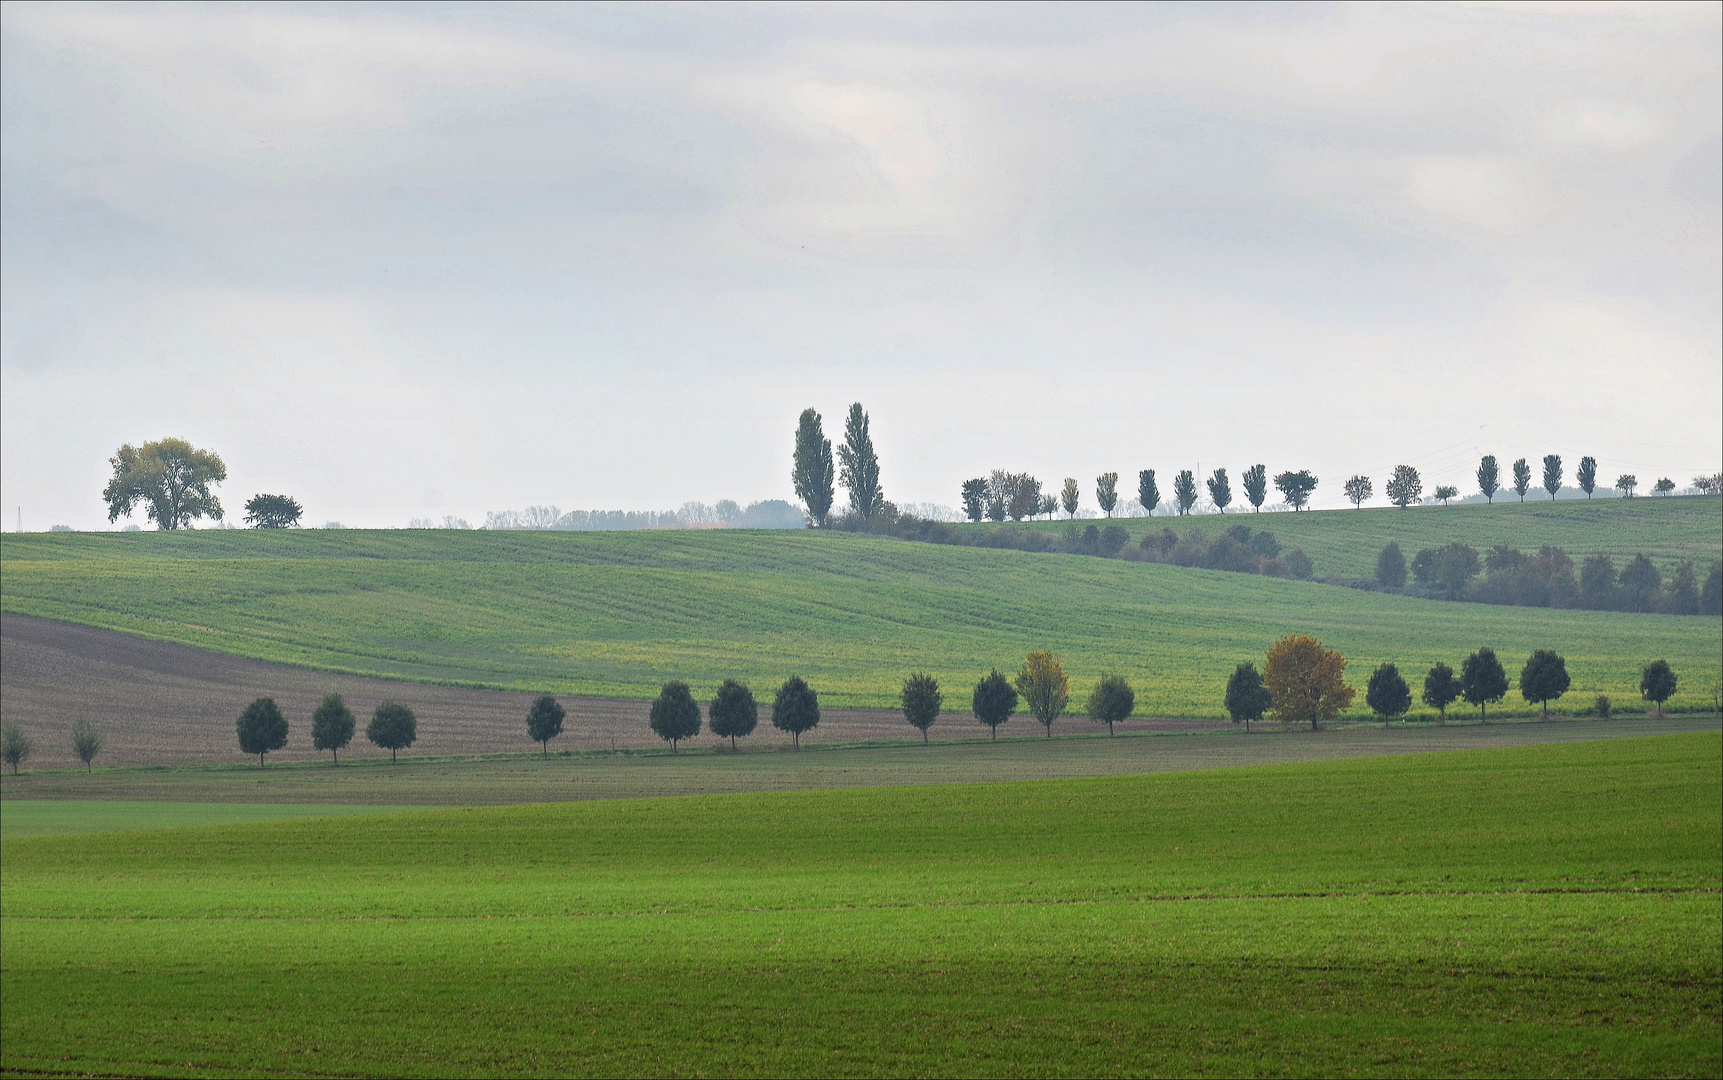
pixel 1544 679
pixel 544 721
pixel 675 714
pixel 1657 683
pixel 1441 689
pixel 1387 694
pixel 994 701
pixel 733 713
pixel 1045 687
pixel 1307 680
pixel 921 702
pixel 15 746
pixel 1111 701
pixel 262 728
pixel 393 727
pixel 86 743
pixel 332 726
pixel 796 708
pixel 1482 680
pixel 1246 698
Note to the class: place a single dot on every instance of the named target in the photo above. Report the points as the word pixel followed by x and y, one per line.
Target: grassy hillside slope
pixel 616 614
pixel 1529 911
pixel 1344 543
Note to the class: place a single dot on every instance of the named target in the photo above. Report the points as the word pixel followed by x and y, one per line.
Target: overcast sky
pixel 413 261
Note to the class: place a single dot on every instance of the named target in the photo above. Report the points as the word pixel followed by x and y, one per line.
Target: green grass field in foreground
pixel 1345 543
pixel 20 818
pixel 1551 910
pixel 617 614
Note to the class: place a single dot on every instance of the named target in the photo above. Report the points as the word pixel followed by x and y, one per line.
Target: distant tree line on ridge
pixel 1547 578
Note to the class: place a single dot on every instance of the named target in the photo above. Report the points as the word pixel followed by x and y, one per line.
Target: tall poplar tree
pixel 1107 492
pixel 858 465
pixel 1148 493
pixel 1256 486
pixel 1489 478
pixel 1220 490
pixel 813 473
pixel 1552 473
pixel 1185 490
pixel 1587 475
pixel 1522 478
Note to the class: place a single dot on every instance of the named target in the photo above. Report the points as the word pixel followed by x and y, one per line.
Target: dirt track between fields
pixel 164 704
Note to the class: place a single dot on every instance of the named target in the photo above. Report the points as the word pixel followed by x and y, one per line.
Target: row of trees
pixel 857 465
pixel 1303 682
pixel 1549 578
pixel 1004 494
pixel 262 728
pixel 174 482
pixel 16 745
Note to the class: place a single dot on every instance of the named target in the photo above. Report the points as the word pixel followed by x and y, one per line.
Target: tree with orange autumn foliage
pixel 1307 681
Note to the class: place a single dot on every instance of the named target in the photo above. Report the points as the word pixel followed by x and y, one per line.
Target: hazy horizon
pixel 408 262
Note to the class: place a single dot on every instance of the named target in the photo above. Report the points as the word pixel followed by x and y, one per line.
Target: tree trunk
pixel 797 736
pixel 732 744
pixel 391 755
pixel 924 736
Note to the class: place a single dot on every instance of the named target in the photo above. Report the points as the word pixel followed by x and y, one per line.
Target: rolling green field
pixel 1540 911
pixel 1344 543
pixel 21 818
pixel 616 614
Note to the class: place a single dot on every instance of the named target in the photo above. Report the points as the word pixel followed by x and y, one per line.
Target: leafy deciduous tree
pixel 921 702
pixel 733 713
pixel 994 701
pixel 975 498
pixel 332 725
pixel 1246 697
pixel 544 721
pixel 858 465
pixel 86 742
pixel 1391 566
pixel 393 727
pixel 1657 683
pixel 1107 492
pixel 261 728
pixel 273 512
pixel 812 473
pixel 1358 490
pixel 1544 679
pixel 1489 477
pixel 1148 492
pixel 1256 486
pixel 1587 475
pixel 1444 492
pixel 15 746
pixel 171 477
pixel 1405 486
pixel 1625 483
pixel 675 714
pixel 1045 687
pixel 1387 693
pixel 1664 486
pixel 1111 701
pixel 1441 689
pixel 1306 680
pixel 1219 490
pixel 1296 487
pixel 1522 478
pixel 1069 496
pixel 1185 491
pixel 796 708
pixel 1482 680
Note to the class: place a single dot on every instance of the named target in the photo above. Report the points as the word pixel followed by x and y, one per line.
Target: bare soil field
pixel 164 704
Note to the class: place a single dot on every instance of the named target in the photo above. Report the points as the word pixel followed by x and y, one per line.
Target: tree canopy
pixel 1246 697
pixel 1391 566
pixel 1107 492
pixel 262 728
pixel 1552 474
pixel 1489 477
pixel 921 702
pixel 796 708
pixel 15 746
pixel 544 721
pixel 975 498
pixel 1256 486
pixel 812 473
pixel 1306 680
pixel 1045 687
pixel 1296 487
pixel 1405 486
pixel 1544 678
pixel 1441 689
pixel 1586 475
pixel 1358 490
pixel 1522 478
pixel 393 727
pixel 1220 490
pixel 733 713
pixel 1070 495
pixel 1625 483
pixel 332 725
pixel 675 714
pixel 1482 680
pixel 1387 693
pixel 86 742
pixel 170 477
pixel 1444 492
pixel 858 465
pixel 1148 492
pixel 1111 701
pixel 1657 683
pixel 273 512
pixel 994 701
pixel 1185 491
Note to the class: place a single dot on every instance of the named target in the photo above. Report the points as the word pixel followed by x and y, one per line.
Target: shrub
pixel 1601 706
